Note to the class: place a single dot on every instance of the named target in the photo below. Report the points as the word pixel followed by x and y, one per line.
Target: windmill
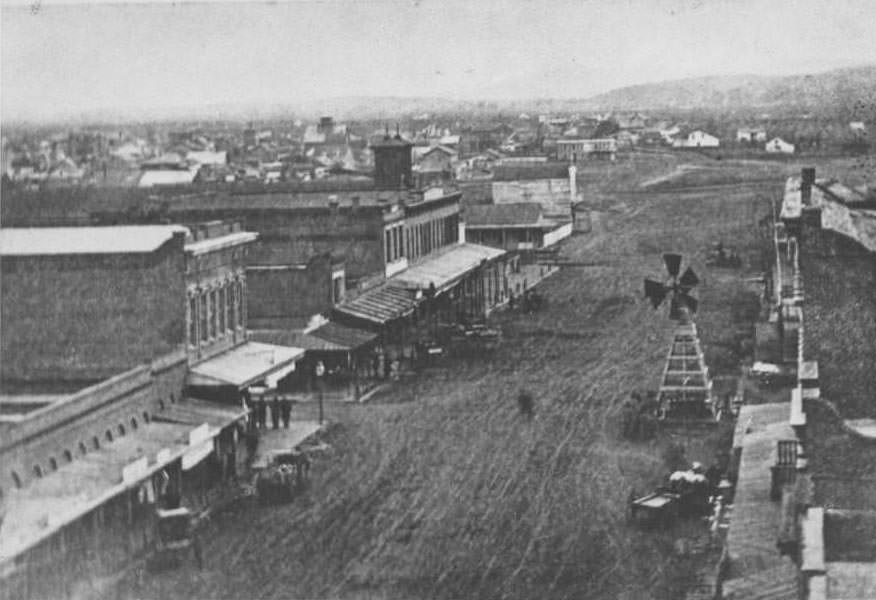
pixel 678 288
pixel 685 386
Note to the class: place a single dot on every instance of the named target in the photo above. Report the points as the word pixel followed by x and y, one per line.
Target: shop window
pixel 37 471
pixel 214 314
pixel 68 456
pixel 241 295
pixel 16 480
pixel 202 316
pixel 223 317
pixel 193 321
pixel 82 449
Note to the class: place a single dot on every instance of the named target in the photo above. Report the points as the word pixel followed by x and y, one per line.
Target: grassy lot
pixel 439 489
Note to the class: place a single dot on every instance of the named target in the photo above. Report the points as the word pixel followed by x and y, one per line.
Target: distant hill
pixel 850 90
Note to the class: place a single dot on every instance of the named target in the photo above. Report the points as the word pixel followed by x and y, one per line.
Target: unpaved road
pixel 439 489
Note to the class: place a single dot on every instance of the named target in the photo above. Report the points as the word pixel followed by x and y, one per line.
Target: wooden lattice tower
pixel 685 387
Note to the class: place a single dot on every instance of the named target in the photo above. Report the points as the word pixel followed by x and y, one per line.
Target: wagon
pixel 174 538
pixel 657 507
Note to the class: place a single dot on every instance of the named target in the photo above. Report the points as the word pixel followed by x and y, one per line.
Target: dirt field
pixel 439 489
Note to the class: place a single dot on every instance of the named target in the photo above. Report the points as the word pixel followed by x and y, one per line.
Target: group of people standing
pixel 281 409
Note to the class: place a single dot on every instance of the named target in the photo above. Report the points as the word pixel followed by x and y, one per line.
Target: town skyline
pixel 259 55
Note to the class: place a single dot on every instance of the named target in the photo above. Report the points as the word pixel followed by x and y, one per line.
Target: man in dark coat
pixel 275 412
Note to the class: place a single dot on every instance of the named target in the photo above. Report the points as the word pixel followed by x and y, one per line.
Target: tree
pixel 606 128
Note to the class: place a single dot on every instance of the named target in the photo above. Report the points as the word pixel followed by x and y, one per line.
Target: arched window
pixel 53 464
pixel 133 422
pixel 121 429
pixel 68 456
pixel 37 471
pixel 16 480
pixel 82 448
pixel 109 435
pixel 95 442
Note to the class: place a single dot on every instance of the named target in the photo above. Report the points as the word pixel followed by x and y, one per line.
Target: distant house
pixel 778 145
pixel 751 135
pixel 697 139
pixel 515 226
pixel 206 157
pixel 161 177
pixel 858 127
pixel 66 169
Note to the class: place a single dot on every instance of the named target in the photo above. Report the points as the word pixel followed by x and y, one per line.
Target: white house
pixel 697 139
pixel 751 134
pixel 779 145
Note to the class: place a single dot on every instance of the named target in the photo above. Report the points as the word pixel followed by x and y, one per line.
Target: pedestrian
pixel 275 412
pixel 286 409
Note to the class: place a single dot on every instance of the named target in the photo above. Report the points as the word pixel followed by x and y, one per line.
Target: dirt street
pixel 440 489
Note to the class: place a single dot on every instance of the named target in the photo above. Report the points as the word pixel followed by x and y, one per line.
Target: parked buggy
pixel 174 538
pixel 686 494
pixel 723 258
pixel 286 476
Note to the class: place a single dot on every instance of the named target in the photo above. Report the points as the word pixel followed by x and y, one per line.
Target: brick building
pixel 111 334
pixel 84 304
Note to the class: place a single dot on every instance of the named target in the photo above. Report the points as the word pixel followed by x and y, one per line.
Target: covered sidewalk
pixel 245 365
pixel 43 508
pixel 447 268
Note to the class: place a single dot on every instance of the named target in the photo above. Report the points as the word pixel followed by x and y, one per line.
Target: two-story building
pixel 114 338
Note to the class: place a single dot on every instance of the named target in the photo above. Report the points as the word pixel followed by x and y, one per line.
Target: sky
pixel 59 58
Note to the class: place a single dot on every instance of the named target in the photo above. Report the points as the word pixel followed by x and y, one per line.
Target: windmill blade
pixel 673 263
pixel 689 302
pixel 689 279
pixel 655 292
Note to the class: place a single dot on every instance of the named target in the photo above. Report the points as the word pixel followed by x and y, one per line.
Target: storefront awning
pixel 342 335
pixel 448 267
pixel 244 365
pixel 388 301
pixel 47 504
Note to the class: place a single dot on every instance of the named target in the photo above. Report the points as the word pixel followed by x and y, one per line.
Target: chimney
pixel 807 178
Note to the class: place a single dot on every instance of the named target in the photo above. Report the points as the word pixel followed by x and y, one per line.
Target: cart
pixel 174 538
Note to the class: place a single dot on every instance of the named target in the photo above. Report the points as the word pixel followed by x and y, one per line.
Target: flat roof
pixel 41 508
pixel 220 242
pixel 447 267
pixel 244 364
pixel 57 241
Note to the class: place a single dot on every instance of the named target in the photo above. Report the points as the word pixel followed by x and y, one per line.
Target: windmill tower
pixel 685 387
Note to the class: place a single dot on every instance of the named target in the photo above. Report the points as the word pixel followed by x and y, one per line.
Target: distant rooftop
pixel 129 239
